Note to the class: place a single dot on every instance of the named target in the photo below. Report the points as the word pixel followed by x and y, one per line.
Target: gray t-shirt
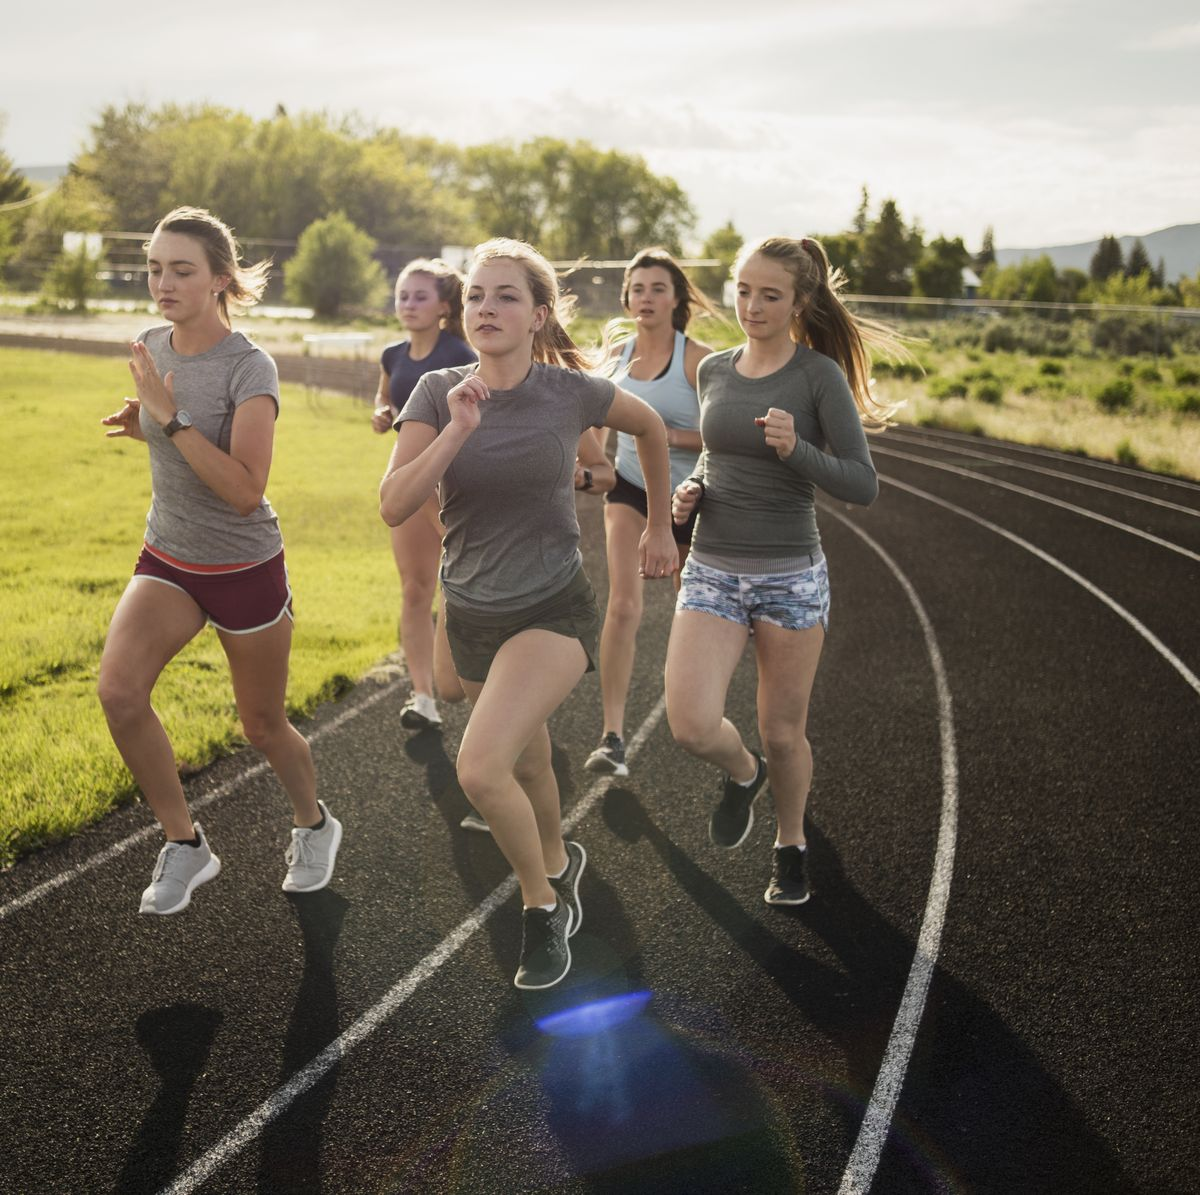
pixel 508 497
pixel 187 520
pixel 757 509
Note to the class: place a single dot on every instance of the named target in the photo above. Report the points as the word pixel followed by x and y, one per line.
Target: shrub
pixel 1147 373
pixel 1186 375
pixel 1186 402
pixel 1050 368
pixel 1125 454
pixel 1130 335
pixel 333 267
pixel 73 278
pixel 1000 338
pixel 912 371
pixel 989 392
pixel 1116 396
pixel 946 388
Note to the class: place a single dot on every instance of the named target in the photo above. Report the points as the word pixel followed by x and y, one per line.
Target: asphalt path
pixel 992 989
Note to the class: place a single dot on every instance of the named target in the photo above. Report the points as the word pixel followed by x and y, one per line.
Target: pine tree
pixel 1138 261
pixel 889 252
pixel 987 251
pixel 860 215
pixel 1107 260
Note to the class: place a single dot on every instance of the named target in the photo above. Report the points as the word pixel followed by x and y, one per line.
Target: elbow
pixel 247 505
pixel 870 491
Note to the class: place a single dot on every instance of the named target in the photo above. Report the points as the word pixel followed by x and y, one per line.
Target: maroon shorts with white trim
pixel 240 598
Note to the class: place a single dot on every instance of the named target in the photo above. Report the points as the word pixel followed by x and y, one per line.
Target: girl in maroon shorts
pixel 206 405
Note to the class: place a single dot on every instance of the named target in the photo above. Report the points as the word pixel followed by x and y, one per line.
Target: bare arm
pixel 384 414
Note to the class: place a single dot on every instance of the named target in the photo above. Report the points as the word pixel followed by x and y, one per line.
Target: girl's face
pixel 499 311
pixel 651 296
pixel 180 279
pixel 418 306
pixel 766 298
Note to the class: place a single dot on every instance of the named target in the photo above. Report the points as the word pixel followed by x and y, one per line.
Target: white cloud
pixel 1177 37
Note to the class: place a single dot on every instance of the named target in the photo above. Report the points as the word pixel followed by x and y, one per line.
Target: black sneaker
pixel 545 951
pixel 609 757
pixel 789 877
pixel 733 817
pixel 566 886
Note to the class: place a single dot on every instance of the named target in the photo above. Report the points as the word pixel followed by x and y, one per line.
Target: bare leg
pixel 506 738
pixel 417 549
pixel 702 653
pixel 151 625
pixel 787 667
pixel 623 527
pixel 259 666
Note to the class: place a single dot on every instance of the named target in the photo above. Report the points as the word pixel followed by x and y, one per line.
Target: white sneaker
pixel 311 853
pixel 420 712
pixel 179 869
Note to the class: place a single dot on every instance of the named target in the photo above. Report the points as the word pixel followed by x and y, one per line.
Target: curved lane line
pixel 1159 646
pixel 1009 463
pixel 244 1133
pixel 1084 462
pixel 877 1121
pixel 119 848
pixel 1020 489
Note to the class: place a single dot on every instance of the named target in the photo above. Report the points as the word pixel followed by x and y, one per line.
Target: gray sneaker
pixel 311 853
pixel 179 869
pixel 474 822
pixel 545 950
pixel 566 886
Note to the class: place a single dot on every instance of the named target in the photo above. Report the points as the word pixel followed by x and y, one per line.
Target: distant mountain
pixel 1178 246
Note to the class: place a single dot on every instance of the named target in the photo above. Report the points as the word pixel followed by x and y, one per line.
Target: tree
pixel 74 278
pixel 844 250
pixel 987 251
pixel 938 274
pixel 1031 279
pixel 15 191
pixel 333 267
pixel 889 252
pixel 1107 260
pixel 860 213
pixel 723 245
pixel 75 205
pixel 1138 261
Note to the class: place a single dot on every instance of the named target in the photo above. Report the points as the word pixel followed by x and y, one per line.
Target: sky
pixel 1053 121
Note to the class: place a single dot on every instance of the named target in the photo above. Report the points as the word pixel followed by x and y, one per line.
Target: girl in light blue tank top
pixel 658 364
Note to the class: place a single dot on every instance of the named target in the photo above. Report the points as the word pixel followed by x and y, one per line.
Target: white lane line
pixel 1083 462
pixel 119 848
pixel 877 1121
pixel 1020 489
pixel 249 1129
pixel 1074 479
pixel 1159 646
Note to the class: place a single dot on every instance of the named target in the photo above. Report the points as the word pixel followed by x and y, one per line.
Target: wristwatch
pixel 181 419
pixel 587 480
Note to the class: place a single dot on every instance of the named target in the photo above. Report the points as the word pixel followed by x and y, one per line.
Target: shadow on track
pixel 177 1039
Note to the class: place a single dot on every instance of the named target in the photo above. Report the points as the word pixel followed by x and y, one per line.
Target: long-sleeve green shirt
pixel 757 510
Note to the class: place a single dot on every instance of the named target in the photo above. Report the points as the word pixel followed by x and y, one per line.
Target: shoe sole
pixel 575 924
pixel 476 824
pixel 333 850
pixel 209 871
pixel 411 720
pixel 606 767
pixel 785 903
pixel 541 987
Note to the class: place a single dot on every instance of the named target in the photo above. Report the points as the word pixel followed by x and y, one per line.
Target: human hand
pixel 125 422
pixel 658 554
pixel 382 419
pixel 779 431
pixel 683 501
pixel 157 394
pixel 464 401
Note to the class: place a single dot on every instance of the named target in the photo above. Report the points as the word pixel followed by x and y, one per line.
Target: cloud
pixel 1176 37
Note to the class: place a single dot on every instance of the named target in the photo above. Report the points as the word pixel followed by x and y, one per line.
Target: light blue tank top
pixel 674 398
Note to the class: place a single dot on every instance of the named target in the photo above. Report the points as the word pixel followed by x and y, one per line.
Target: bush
pixel 1185 402
pixel 1000 338
pixel 1050 368
pixel 1116 396
pixel 1147 373
pixel 333 267
pixel 946 388
pixel 1125 454
pixel 73 278
pixel 911 371
pixel 989 392
pixel 1130 335
pixel 1186 375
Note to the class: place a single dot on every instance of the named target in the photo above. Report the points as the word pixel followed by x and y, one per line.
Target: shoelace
pixel 164 857
pixel 300 849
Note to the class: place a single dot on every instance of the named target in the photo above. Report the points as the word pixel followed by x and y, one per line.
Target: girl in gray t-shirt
pixel 206 406
pixel 500 441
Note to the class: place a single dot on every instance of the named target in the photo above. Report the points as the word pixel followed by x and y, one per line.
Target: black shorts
pixel 625 493
pixel 475 637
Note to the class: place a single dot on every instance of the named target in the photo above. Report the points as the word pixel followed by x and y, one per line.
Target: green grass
pixel 72 513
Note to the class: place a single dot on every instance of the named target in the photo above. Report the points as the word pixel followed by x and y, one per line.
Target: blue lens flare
pixel 595 1016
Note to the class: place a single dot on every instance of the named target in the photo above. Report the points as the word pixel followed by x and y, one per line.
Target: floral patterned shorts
pixel 794 601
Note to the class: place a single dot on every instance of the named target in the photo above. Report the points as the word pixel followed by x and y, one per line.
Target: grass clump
pixel 1116 395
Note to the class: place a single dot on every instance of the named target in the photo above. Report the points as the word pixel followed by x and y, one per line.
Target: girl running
pixel 781 415
pixel 429 305
pixel 502 440
pixel 206 405
pixel 658 364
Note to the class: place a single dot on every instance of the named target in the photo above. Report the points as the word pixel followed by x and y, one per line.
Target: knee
pixel 623 611
pixel 782 743
pixel 265 730
pixel 121 698
pixel 691 731
pixel 418 592
pixel 480 780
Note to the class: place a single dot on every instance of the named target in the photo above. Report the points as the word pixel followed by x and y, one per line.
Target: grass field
pixel 72 513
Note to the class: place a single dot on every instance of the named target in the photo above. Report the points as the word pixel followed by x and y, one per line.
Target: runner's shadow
pixel 290 1158
pixel 177 1040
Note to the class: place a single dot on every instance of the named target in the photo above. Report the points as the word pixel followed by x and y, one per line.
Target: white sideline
pixel 119 848
pixel 877 1120
pixel 1141 628
pixel 239 1137
pixel 1020 489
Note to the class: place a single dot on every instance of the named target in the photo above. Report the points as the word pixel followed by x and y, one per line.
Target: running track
pixel 993 988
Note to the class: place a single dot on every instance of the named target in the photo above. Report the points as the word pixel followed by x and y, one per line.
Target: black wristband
pixel 587 480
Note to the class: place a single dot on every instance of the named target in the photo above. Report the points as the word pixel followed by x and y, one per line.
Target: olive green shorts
pixel 475 637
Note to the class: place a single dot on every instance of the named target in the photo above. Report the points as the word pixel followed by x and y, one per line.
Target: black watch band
pixel 587 479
